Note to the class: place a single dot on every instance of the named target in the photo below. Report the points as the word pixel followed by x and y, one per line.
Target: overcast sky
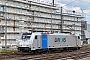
pixel 77 5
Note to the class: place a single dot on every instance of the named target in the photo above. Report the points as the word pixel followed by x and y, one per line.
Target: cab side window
pixel 36 37
pixel 78 37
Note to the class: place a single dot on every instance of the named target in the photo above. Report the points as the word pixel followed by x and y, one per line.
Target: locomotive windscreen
pixel 26 36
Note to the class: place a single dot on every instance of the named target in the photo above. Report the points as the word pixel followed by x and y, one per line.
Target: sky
pixel 82 6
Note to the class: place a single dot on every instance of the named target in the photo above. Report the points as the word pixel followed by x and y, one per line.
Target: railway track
pixel 78 54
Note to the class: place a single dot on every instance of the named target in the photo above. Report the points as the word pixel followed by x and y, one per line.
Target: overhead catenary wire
pixel 71 2
pixel 68 3
pixel 84 2
pixel 65 9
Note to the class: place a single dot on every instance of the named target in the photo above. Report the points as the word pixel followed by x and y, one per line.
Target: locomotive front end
pixel 24 43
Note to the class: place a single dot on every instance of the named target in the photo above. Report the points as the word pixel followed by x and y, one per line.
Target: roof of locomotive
pixel 40 33
pixel 63 34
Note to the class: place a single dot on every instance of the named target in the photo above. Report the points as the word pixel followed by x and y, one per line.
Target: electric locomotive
pixel 44 41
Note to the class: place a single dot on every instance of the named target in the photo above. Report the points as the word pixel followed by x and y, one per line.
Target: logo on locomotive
pixel 60 39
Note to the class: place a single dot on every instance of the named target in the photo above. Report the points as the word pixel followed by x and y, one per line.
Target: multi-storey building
pixel 88 29
pixel 24 16
pixel 87 33
pixel 88 26
pixel 83 28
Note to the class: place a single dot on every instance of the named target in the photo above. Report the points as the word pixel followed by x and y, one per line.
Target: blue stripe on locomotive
pixel 44 41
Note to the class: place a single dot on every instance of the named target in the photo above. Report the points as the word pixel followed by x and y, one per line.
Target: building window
pixel 77 18
pixel 83 26
pixel 30 5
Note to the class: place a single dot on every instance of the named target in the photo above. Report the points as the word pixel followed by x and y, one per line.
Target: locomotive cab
pixel 28 42
pixel 24 43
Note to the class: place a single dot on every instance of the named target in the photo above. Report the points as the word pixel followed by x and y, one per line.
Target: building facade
pixel 22 16
pixel 88 29
pixel 83 28
pixel 88 26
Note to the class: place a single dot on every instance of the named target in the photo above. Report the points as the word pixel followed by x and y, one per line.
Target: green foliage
pixel 5 51
pixel 86 45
